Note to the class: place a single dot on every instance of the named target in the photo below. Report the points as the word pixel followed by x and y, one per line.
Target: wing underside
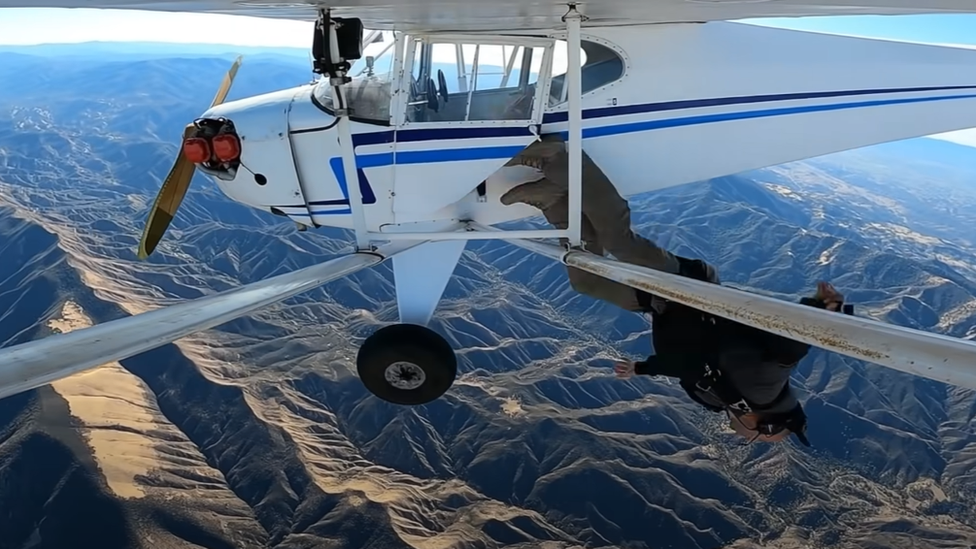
pixel 42 361
pixel 412 15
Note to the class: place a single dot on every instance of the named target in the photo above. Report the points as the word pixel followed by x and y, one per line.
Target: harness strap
pixel 690 388
pixel 713 381
pixel 709 380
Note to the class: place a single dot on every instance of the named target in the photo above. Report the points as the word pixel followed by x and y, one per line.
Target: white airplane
pixel 658 93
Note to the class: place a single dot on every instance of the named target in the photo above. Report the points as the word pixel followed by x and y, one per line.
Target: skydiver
pixel 723 365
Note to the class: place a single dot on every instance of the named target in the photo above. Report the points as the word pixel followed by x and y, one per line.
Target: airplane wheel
pixel 406 364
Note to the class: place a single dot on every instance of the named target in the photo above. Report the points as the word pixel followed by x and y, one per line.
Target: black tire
pixel 424 357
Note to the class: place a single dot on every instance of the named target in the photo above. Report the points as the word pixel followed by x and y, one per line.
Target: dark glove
pixel 827 297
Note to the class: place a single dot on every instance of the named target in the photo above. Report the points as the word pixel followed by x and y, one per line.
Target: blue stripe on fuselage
pixel 435 134
pixel 480 153
pixel 632 127
pixel 403 158
pixel 624 110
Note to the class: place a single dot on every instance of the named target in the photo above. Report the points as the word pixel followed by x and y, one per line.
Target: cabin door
pixel 468 104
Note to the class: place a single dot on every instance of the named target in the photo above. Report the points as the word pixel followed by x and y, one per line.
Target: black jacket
pixel 755 363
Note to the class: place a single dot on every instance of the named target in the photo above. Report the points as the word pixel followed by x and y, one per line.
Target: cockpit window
pixel 600 66
pixel 454 81
pixel 371 90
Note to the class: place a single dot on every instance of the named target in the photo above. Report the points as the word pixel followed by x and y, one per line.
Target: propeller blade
pixel 177 182
pixel 167 201
pixel 225 85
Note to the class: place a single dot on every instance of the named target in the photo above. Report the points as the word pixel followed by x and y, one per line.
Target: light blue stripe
pixel 425 157
pixel 457 155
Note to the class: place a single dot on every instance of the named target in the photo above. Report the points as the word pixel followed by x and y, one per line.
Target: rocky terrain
pixel 259 434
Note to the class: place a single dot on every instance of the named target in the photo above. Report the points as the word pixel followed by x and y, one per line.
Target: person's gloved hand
pixel 831 298
pixel 624 369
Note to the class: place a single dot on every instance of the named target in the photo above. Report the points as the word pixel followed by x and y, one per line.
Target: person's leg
pixel 604 289
pixel 597 287
pixel 608 212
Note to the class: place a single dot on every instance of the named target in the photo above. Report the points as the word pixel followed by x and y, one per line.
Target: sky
pixel 26 26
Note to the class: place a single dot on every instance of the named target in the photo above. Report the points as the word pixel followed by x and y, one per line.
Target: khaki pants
pixel 606 222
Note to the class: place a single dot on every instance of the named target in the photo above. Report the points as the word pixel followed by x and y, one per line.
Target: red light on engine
pixel 226 147
pixel 196 150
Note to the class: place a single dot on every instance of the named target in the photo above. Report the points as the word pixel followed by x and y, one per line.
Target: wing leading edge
pixel 934 356
pixel 457 15
pixel 39 362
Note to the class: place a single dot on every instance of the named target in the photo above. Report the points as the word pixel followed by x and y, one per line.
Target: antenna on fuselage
pixel 311 66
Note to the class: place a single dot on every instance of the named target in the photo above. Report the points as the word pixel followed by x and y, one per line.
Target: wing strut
pixel 934 356
pixel 574 140
pixel 336 69
pixel 36 363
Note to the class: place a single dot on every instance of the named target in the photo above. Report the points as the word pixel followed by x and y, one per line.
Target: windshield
pixel 371 89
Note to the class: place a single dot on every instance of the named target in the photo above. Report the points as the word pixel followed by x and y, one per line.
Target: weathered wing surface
pixel 411 15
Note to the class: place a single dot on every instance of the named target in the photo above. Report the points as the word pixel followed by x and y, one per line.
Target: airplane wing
pixel 42 361
pixel 469 15
pixel 938 357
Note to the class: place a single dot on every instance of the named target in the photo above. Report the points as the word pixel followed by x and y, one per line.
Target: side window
pixel 470 81
pixel 600 66
pixel 377 59
pixel 370 92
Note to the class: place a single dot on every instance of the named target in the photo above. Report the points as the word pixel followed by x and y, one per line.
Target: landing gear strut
pixel 406 364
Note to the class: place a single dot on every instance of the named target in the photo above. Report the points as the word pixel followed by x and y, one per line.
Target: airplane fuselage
pixel 662 105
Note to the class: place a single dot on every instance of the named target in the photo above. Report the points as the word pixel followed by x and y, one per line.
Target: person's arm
pixel 789 351
pixel 671 365
pixel 827 297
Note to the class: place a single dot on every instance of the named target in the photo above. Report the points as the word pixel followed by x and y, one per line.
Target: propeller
pixel 177 181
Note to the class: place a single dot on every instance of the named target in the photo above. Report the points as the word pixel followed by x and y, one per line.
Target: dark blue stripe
pixel 408 157
pixel 366 191
pixel 556 117
pixel 346 210
pixel 311 211
pixel 336 202
pixel 618 129
pixel 432 134
pixel 404 136
pixel 374 138
pixel 442 155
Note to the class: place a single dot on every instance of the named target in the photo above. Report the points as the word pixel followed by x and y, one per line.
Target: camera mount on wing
pixel 401 363
pixel 336 42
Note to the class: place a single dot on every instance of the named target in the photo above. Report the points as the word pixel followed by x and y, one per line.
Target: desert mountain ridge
pixel 259 434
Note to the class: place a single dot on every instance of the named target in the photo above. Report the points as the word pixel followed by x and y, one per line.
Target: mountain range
pixel 258 433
